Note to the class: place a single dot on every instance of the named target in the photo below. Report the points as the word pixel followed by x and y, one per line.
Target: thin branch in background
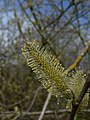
pixel 70 22
pixel 34 15
pixel 32 102
pixel 37 22
pixel 78 22
pixel 55 21
pixel 14 104
pixel 56 33
pixel 38 113
pixel 33 23
pixel 18 25
pixel 78 32
pixel 34 98
pixel 62 12
pixel 48 112
pixel 45 106
pixel 27 15
pixel 58 17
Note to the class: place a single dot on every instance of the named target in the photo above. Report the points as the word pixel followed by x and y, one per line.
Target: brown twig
pixel 79 99
pixel 80 57
pixel 86 85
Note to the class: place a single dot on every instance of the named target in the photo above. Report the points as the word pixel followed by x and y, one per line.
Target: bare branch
pixel 79 58
pixel 44 107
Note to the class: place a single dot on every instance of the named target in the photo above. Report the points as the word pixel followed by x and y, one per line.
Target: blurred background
pixel 64 26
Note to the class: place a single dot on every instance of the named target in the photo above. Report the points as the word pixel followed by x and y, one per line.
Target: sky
pixel 6 16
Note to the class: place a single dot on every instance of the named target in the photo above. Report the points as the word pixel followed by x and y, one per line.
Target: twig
pixel 7 113
pixel 33 101
pixel 34 113
pixel 79 99
pixel 14 104
pixel 44 107
pixel 86 85
pixel 79 58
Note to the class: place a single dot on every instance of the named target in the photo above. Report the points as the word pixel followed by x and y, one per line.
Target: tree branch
pixel 79 99
pixel 79 58
pixel 44 107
